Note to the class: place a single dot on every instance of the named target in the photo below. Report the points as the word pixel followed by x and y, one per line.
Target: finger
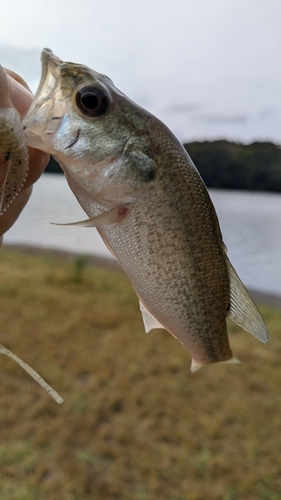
pixel 17 78
pixel 37 164
pixel 21 96
pixel 14 91
pixel 10 216
pixel 5 96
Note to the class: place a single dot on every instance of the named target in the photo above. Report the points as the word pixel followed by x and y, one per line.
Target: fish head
pixel 80 117
pixel 73 104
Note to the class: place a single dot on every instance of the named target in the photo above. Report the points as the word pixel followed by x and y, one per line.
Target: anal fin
pixel 148 320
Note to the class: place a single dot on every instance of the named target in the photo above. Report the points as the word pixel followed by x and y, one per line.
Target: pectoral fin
pixel 243 311
pixel 116 214
pixel 148 320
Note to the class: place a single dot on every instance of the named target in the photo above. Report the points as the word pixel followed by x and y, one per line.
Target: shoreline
pixel 93 260
pixel 266 298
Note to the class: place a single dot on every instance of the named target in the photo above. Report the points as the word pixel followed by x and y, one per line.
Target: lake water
pixel 250 223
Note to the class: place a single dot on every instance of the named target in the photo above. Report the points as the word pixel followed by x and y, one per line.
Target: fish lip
pixel 48 107
pixel 48 54
pixel 47 58
pixel 48 61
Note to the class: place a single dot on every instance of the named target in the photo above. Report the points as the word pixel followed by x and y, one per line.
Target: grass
pixel 135 424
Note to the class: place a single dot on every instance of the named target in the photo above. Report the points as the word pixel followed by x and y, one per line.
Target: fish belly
pixel 179 272
pixel 170 247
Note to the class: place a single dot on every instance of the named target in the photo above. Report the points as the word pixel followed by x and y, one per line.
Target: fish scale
pixel 168 277
pixel 142 192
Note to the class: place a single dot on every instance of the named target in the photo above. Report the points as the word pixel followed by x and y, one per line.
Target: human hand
pixel 14 92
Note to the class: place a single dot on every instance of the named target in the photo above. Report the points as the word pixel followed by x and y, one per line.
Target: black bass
pixel 139 187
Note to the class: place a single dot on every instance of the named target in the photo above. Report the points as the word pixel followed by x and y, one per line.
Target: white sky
pixel 208 68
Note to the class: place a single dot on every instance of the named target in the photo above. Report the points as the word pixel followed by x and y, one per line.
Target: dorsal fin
pixel 243 310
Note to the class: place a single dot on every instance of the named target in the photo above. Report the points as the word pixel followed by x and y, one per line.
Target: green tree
pixel 230 165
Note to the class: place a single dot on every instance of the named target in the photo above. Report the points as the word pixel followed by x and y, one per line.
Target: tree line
pixel 231 165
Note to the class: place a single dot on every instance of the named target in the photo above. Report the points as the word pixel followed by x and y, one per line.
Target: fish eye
pixel 91 101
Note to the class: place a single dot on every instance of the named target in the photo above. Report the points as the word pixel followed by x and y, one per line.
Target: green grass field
pixel 135 423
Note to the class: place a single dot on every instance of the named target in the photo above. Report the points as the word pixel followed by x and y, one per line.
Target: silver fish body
pixel 141 190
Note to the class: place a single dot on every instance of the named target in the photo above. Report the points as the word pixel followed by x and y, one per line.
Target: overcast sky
pixel 208 68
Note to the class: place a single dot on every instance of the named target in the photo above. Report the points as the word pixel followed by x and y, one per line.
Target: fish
pixel 141 190
pixel 14 164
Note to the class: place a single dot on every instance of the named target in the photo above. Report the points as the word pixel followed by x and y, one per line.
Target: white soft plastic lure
pixel 14 165
pixel 13 148
pixel 32 373
pixel 14 156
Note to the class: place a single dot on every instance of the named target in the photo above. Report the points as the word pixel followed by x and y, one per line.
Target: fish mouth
pixel 48 107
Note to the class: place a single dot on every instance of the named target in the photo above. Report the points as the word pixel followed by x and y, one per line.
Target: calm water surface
pixel 250 223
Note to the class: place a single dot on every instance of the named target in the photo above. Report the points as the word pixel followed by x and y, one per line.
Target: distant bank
pixel 231 165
